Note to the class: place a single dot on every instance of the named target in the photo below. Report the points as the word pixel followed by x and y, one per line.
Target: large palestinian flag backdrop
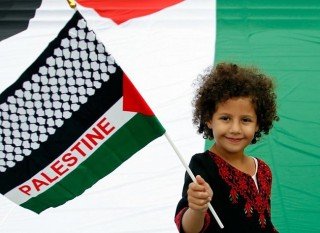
pixel 283 39
pixel 162 50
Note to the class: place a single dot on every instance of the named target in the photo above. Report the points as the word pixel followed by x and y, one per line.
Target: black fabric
pixel 15 16
pixel 232 215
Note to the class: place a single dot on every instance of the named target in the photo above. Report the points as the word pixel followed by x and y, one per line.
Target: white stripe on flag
pixel 116 118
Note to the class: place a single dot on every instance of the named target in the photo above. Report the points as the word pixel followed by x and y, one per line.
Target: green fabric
pixel 282 38
pixel 129 139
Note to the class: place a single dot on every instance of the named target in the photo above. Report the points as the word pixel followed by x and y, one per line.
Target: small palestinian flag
pixel 70 119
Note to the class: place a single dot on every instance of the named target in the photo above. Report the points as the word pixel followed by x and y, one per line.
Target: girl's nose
pixel 235 127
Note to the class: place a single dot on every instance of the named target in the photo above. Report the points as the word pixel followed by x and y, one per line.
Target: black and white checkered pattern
pixel 77 68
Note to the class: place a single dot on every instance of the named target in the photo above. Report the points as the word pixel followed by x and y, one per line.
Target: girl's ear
pixel 257 128
pixel 208 124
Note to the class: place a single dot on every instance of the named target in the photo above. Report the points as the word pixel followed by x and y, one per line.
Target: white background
pixel 162 54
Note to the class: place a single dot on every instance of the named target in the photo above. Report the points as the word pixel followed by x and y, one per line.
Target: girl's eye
pixel 225 118
pixel 246 120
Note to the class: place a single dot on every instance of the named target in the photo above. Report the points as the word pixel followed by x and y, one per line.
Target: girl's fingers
pixel 201 186
pixel 199 194
pixel 208 189
pixel 198 201
pixel 196 187
pixel 200 180
pixel 194 206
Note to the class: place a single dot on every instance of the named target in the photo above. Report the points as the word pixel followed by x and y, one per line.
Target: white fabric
pixel 162 60
pixel 254 177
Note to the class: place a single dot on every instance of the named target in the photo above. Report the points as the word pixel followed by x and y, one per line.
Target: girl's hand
pixel 199 195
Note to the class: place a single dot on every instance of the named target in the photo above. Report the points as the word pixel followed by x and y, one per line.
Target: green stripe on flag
pixel 282 38
pixel 129 139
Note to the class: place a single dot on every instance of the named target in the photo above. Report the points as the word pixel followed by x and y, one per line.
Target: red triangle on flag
pixel 123 10
pixel 132 100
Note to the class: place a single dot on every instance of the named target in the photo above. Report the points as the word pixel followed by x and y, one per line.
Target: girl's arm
pixel 199 195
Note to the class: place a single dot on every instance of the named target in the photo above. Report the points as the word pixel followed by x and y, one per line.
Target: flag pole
pixel 193 178
pixel 6 216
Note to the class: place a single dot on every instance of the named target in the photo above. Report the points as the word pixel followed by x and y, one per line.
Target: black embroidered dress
pixel 241 207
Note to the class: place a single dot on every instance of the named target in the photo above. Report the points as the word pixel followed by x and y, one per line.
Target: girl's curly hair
pixel 227 80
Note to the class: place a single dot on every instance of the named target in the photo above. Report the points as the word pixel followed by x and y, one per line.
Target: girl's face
pixel 233 125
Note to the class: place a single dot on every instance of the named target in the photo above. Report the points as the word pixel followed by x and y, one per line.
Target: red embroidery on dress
pixel 248 209
pixel 233 196
pixel 242 184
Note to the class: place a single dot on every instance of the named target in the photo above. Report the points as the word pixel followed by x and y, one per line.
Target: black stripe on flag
pixel 15 16
pixel 71 84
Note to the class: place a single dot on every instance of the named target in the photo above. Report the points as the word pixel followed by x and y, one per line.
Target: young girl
pixel 233 105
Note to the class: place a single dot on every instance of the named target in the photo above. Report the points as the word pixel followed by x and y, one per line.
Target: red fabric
pixel 123 10
pixel 178 220
pixel 207 219
pixel 243 184
pixel 132 100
